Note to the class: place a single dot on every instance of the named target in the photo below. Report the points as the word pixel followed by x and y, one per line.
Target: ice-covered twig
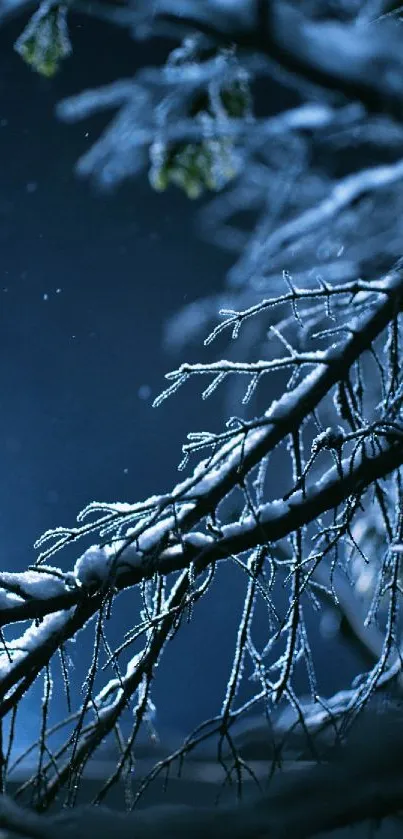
pixel 237 457
pixel 363 780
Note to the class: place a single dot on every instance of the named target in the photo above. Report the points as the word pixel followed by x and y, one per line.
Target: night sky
pixel 87 282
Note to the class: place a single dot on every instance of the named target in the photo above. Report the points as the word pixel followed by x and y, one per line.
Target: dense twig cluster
pixel 325 255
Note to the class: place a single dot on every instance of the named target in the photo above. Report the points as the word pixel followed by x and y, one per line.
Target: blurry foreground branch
pixel 314 308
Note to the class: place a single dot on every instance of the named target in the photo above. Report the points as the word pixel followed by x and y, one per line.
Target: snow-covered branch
pixel 325 255
pixel 164 538
pixel 360 782
pixel 361 61
pixel 211 481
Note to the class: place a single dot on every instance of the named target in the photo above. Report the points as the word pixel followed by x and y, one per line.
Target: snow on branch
pixel 364 781
pixel 184 531
pixel 213 477
pixel 316 296
pixel 363 62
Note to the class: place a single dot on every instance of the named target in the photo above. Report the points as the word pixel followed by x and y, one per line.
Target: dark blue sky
pixel 86 283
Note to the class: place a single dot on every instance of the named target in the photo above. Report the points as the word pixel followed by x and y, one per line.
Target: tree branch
pixel 362 62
